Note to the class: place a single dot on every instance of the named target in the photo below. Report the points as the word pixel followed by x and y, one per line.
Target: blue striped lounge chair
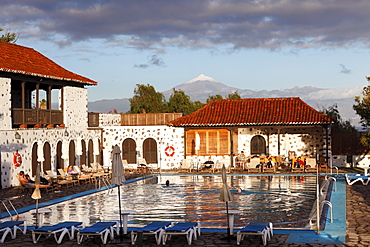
pixel 154 228
pixel 11 227
pixel 189 229
pixel 61 229
pixel 102 229
pixel 351 179
pixel 265 230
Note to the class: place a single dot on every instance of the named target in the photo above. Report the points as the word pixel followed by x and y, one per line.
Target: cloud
pixel 344 70
pixel 207 24
pixel 153 60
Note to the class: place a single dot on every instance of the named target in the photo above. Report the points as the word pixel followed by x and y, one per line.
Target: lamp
pixel 66 133
pixel 17 135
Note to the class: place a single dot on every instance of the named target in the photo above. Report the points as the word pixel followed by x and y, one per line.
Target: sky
pixel 256 45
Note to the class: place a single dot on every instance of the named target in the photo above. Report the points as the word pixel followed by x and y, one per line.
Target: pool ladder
pixel 7 203
pixel 102 181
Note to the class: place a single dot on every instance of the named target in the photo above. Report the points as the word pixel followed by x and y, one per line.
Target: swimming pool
pixel 277 199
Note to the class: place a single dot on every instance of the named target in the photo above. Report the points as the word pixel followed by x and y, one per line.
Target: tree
pixel 212 97
pixel 147 100
pixel 362 108
pixel 181 103
pixel 234 95
pixel 8 37
pixel 341 125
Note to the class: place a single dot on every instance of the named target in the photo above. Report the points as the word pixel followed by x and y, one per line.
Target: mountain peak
pixel 201 77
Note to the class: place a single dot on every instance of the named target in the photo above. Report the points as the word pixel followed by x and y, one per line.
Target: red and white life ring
pixel 17 159
pixel 169 151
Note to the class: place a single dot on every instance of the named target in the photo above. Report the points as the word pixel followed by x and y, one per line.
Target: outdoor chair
pixel 186 165
pixel 65 179
pixel 310 165
pixel 265 230
pixel 128 167
pixel 189 229
pixel 353 179
pixel 82 177
pixel 101 229
pixel 154 228
pixel 252 165
pixel 67 227
pixel 11 227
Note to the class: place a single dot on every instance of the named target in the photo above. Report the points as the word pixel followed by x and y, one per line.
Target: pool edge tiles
pixel 65 198
pixel 334 233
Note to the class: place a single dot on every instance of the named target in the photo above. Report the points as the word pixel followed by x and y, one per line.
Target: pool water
pixel 274 199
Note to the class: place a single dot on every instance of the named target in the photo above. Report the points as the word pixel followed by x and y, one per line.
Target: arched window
pixel 34 159
pixel 150 150
pixel 258 145
pixel 72 153
pixel 58 158
pixel 47 157
pixel 129 151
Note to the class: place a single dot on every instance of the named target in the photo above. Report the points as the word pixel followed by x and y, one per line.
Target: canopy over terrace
pixel 269 115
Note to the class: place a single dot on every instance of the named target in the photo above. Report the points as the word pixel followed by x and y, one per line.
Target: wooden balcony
pixel 36 116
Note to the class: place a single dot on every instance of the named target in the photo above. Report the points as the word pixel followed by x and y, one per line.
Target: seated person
pixel 209 163
pixel 71 171
pixel 241 159
pixel 270 163
pixel 299 163
pixel 28 183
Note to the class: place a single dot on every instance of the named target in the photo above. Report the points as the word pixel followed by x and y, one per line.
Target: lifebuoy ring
pixel 169 151
pixel 17 159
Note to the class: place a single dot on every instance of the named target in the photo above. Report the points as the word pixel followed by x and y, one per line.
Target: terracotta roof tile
pixel 23 60
pixel 253 111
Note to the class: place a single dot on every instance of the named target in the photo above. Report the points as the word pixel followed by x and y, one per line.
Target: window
pixel 258 145
pixel 212 142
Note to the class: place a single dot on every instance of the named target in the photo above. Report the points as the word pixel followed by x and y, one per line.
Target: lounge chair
pixel 353 179
pixel 63 228
pixel 190 229
pixel 102 229
pixel 265 230
pixel 154 228
pixel 11 227
pixel 187 165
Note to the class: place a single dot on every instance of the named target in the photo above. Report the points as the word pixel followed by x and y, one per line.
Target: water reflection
pixel 195 198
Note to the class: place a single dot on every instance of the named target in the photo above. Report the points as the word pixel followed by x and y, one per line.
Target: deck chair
pixel 353 179
pixel 226 162
pixel 102 229
pixel 265 230
pixel 64 179
pixel 310 165
pixel 128 167
pixel 67 227
pixel 82 178
pixel 253 164
pixel 186 165
pixel 189 229
pixel 11 227
pixel 154 228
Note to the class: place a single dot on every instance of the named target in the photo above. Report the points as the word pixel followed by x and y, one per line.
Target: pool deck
pixel 351 227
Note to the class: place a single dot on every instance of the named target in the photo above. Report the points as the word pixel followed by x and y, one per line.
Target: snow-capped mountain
pixel 201 87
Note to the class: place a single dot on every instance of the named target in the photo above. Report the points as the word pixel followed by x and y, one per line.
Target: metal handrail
pixel 7 209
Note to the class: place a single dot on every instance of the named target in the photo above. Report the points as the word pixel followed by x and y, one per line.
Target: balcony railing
pixel 36 116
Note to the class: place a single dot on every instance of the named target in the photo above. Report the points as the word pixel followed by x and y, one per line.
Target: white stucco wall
pixel 75 107
pixel 5 104
pixel 109 119
pixel 304 141
pixel 163 135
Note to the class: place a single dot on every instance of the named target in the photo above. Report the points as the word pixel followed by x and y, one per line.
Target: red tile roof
pixel 253 111
pixel 23 60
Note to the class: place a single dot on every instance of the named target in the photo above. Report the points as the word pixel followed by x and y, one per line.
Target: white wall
pixel 5 104
pixel 163 135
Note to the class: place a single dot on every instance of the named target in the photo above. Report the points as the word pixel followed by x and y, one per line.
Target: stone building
pixel 43 115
